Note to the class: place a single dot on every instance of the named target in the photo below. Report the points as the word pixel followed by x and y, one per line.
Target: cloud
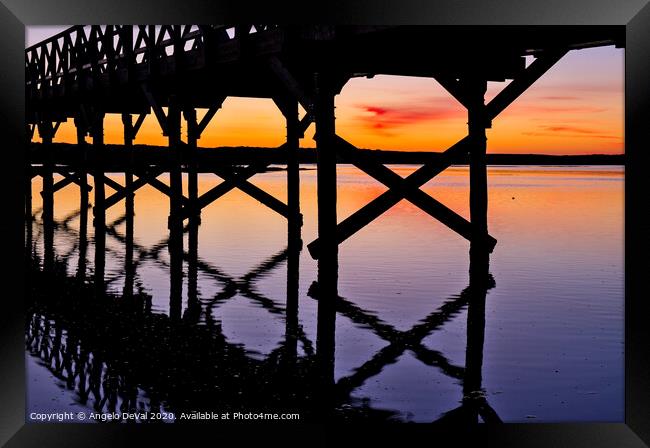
pixel 385 118
pixel 542 109
pixel 560 98
pixel 570 131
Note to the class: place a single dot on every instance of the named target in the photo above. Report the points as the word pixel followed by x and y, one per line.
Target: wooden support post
pixel 294 224
pixel 129 212
pixel 293 166
pixel 47 134
pixel 193 134
pixel 81 128
pixel 99 208
pixel 175 224
pixel 476 123
pixel 328 260
pixel 29 175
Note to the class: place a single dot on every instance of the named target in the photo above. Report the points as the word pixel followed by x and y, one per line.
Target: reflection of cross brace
pixel 400 341
pixel 243 285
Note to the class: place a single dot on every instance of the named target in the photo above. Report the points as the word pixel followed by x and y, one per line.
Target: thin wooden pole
pixel 47 133
pixel 129 274
pixel 192 166
pixel 294 223
pixel 99 208
pixel 83 198
pixel 173 125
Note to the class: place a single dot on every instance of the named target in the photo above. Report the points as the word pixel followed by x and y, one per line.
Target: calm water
pixel 553 338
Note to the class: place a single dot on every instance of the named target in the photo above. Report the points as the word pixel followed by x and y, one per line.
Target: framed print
pixel 427 219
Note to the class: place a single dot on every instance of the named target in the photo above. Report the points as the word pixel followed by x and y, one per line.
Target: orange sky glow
pixel 575 108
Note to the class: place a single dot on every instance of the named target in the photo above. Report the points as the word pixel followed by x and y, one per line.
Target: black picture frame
pixel 634 15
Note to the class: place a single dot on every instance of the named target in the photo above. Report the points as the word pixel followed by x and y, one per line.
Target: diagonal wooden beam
pixel 290 83
pixel 114 185
pixel 254 192
pixel 160 114
pixel 137 125
pixel 375 208
pixel 209 115
pixel 142 180
pixel 305 122
pixel 520 84
pixel 454 87
pixel 67 180
pixel 165 189
pixel 226 186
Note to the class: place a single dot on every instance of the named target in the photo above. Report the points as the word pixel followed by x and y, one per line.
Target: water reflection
pixel 115 354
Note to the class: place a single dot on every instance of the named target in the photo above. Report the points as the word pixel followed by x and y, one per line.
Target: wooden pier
pixel 85 73
pixel 170 71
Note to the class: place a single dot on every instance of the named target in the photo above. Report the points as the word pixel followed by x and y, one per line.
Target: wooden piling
pixel 191 155
pixel 129 206
pixel 476 123
pixel 46 131
pixel 328 260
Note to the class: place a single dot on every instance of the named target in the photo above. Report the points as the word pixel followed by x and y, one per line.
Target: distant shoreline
pixel 245 154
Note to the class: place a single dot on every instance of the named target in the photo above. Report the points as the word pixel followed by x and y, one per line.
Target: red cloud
pixel 571 131
pixel 387 117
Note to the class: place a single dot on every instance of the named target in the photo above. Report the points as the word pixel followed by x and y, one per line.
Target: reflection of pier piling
pixel 221 372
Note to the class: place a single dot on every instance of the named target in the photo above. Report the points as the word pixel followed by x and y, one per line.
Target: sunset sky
pixel 575 108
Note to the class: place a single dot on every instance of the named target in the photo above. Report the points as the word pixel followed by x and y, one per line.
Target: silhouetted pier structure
pixel 85 73
pixel 171 71
pixel 115 355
